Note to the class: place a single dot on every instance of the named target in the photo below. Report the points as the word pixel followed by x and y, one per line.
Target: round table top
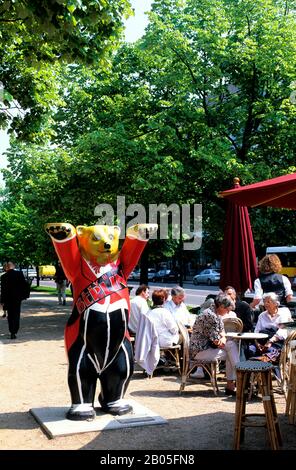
pixel 246 335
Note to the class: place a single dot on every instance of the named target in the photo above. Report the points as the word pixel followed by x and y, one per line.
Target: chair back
pixel 233 325
pixel 293 352
pixel 185 345
pixel 188 366
pixel 285 362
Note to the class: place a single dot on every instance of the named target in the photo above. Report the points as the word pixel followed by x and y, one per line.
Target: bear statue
pixel 96 335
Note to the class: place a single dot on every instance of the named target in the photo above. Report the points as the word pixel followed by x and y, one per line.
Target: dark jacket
pixel 59 275
pixel 14 287
pixel 245 313
pixel 272 282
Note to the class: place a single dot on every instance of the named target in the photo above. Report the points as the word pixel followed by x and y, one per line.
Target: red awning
pixel 238 258
pixel 275 192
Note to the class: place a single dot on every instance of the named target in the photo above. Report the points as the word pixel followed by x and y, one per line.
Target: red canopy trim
pixel 276 192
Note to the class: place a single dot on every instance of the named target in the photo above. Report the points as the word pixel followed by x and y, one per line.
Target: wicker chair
pixel 284 363
pixel 176 353
pixel 233 325
pixel 173 358
pixel 188 365
pixel 291 393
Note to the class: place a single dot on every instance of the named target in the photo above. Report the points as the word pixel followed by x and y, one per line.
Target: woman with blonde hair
pixel 270 280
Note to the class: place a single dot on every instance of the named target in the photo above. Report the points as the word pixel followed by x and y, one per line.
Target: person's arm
pixel 2 293
pixel 144 307
pixel 279 335
pixel 258 293
pixel 288 289
pixel 259 325
pixel 215 328
pixel 63 236
pixel 134 244
pixel 254 303
pixel 221 341
pixel 169 321
pixel 189 318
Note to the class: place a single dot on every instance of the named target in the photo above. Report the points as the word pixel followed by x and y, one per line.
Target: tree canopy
pixel 36 37
pixel 204 96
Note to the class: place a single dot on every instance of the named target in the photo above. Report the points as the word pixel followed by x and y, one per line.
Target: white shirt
pixel 180 313
pixel 266 321
pixel 259 291
pixel 165 325
pixel 139 307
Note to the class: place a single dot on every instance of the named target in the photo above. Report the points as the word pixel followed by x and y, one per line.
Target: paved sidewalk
pixel 33 374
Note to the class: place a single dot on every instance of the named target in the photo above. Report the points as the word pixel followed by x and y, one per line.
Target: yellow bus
pixel 47 271
pixel 287 255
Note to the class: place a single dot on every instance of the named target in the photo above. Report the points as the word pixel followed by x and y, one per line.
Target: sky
pixel 134 30
pixel 135 25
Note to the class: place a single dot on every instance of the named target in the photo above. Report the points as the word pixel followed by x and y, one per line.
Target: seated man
pixel 178 308
pixel 139 306
pixel 242 309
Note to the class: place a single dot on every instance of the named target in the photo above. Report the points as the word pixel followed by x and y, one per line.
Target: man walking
pixel 14 289
pixel 61 283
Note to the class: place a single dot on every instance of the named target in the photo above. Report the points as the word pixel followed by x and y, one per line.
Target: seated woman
pixel 165 325
pixel 271 322
pixel 208 340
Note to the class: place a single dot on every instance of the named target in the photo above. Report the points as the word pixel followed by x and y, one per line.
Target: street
pixel 195 295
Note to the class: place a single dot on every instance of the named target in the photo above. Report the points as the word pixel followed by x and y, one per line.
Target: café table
pixel 247 336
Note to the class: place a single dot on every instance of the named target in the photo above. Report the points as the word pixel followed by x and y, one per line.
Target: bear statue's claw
pixel 117 410
pixel 80 415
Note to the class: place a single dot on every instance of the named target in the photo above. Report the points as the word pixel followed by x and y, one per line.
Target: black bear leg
pixel 114 381
pixel 82 379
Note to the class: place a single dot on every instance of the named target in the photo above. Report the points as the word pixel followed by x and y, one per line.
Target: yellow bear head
pixel 98 243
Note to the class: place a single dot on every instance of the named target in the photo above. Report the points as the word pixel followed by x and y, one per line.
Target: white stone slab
pixel 53 421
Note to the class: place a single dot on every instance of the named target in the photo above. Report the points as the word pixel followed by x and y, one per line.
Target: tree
pixel 198 100
pixel 36 37
pixel 232 65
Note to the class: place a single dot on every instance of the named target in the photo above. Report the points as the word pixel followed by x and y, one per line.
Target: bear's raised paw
pixel 60 231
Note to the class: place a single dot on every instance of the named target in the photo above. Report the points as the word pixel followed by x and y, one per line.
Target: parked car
pixel 151 273
pixel 293 283
pixel 135 275
pixel 29 273
pixel 166 275
pixel 207 276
